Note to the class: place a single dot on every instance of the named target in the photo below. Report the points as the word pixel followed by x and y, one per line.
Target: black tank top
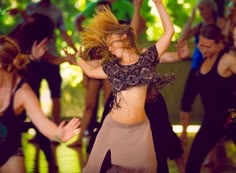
pixel 10 130
pixel 216 92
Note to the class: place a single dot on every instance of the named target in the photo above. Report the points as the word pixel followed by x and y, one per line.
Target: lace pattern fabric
pixel 143 72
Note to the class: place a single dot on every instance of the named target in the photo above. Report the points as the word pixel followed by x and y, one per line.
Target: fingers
pixel 76 131
pixel 69 50
pixel 74 123
pixel 62 124
pixel 180 44
pixel 65 50
pixel 43 42
pixel 79 52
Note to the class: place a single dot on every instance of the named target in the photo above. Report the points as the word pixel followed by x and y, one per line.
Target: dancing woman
pixel 125 135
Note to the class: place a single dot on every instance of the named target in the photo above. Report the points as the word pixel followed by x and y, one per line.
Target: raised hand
pixel 39 49
pixel 67 131
pixel 183 50
pixel 71 55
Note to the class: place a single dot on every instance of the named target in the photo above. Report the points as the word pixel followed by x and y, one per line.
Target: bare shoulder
pixel 23 95
pixel 228 62
pixel 229 57
pixel 25 91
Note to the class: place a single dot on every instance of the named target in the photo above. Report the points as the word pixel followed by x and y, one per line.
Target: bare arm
pixel 163 43
pixel 89 68
pixel 78 22
pixel 182 53
pixel 138 23
pixel 15 11
pixel 56 60
pixel 189 31
pixel 230 64
pixel 68 40
pixel 91 71
pixel 46 126
pixel 39 51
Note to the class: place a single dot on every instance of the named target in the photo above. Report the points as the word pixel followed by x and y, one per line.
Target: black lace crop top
pixel 143 72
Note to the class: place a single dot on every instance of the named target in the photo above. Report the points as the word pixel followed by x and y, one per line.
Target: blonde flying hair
pixel 11 57
pixel 98 28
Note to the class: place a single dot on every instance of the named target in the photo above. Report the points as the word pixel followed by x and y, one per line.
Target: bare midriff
pixel 131 110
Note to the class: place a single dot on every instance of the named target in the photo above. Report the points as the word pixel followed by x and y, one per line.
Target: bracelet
pixel 77 59
pixel 58 139
pixel 31 56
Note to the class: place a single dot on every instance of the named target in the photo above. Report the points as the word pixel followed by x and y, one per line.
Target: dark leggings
pixel 190 92
pixel 205 140
pixel 166 142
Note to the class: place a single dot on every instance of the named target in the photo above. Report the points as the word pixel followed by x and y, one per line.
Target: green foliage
pixel 72 89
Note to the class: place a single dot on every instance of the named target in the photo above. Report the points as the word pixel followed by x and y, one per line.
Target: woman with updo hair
pixel 12 60
pixel 16 96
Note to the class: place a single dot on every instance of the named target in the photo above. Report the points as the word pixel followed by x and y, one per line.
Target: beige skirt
pixel 131 147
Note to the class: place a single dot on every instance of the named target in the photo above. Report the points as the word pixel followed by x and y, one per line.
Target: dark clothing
pixel 25 34
pixel 216 93
pixel 190 89
pixel 217 97
pixel 163 135
pixel 10 130
pixel 142 72
pixel 197 57
pixel 39 70
pixel 166 142
pixel 122 77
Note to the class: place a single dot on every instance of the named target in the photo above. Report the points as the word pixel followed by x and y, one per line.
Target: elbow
pixel 171 31
pixel 169 34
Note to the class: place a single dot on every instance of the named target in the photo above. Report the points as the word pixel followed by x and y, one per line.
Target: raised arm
pixel 163 43
pixel 68 40
pixel 15 11
pixel 138 23
pixel 189 31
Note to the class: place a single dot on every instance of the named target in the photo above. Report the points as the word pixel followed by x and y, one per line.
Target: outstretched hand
pixel 67 131
pixel 39 49
pixel 71 56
